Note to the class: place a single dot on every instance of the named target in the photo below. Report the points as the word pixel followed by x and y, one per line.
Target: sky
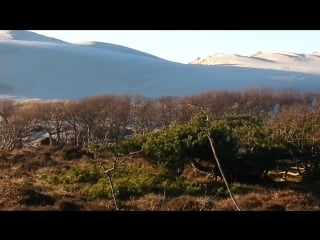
pixel 184 46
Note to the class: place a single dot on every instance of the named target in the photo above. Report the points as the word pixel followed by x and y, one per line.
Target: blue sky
pixel 185 45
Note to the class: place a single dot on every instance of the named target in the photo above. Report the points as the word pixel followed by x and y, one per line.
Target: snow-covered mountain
pixel 36 66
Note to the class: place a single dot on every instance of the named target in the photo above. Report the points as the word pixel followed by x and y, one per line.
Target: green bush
pixel 242 142
pixel 177 146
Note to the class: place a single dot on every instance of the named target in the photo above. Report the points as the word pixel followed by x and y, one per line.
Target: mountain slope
pixel 34 66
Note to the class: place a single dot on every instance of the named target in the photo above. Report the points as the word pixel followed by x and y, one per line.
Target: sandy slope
pixel 34 66
pixel 305 63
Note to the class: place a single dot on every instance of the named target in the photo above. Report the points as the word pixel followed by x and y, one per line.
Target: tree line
pixel 258 126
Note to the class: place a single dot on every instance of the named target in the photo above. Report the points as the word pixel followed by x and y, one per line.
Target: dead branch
pixel 216 157
pixel 109 172
pixel 222 174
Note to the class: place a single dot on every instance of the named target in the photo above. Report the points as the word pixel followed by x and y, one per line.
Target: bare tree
pixel 165 111
pixel 117 159
pixel 71 117
pixel 143 114
pixel 17 123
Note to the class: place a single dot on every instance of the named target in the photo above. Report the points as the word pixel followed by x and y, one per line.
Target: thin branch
pixel 113 192
pixel 129 155
pixel 222 174
pixel 107 173
pixel 110 173
pixel 215 155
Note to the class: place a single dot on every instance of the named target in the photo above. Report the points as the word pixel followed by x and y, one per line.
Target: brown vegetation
pixel 22 187
pixel 44 141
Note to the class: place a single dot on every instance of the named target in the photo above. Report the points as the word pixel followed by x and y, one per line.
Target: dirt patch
pixel 69 206
pixel 21 157
pixel 30 197
pixel 76 153
pixel 273 207
pixel 184 203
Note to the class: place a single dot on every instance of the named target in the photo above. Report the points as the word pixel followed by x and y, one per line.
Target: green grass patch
pixel 88 182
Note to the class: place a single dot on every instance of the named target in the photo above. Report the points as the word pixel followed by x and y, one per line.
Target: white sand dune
pixel 304 63
pixel 35 66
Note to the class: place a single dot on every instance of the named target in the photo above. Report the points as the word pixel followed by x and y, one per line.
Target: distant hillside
pixel 36 66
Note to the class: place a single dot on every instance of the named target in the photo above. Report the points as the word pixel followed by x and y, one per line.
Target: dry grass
pixel 22 188
pixel 277 200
